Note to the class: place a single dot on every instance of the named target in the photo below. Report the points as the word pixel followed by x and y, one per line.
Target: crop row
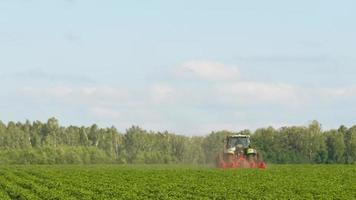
pixel 157 182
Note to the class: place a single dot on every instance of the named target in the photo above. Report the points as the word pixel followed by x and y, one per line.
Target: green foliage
pixel 213 143
pixel 50 143
pixel 336 146
pixel 176 182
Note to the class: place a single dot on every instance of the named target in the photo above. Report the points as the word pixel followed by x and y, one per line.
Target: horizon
pixel 185 67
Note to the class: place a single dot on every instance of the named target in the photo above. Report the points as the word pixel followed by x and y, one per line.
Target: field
pixel 177 182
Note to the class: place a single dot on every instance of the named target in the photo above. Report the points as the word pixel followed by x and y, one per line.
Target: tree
pixel 49 132
pixel 134 141
pixel 350 145
pixel 336 146
pixel 213 144
pixel 50 143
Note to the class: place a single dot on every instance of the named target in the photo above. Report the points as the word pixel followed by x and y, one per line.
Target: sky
pixel 189 67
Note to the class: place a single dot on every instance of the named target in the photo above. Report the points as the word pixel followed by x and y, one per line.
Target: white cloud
pixel 104 113
pixel 261 92
pixel 104 92
pixel 200 107
pixel 346 91
pixel 289 96
pixel 80 96
pixel 162 93
pixel 60 91
pixel 211 71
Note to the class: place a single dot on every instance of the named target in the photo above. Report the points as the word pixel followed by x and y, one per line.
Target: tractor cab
pixel 238 141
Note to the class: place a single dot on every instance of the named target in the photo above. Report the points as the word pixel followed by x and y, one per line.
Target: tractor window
pixel 234 141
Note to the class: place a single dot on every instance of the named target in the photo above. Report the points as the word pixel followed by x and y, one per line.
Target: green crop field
pixel 177 182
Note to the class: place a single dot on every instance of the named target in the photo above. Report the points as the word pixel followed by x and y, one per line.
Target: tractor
pixel 238 153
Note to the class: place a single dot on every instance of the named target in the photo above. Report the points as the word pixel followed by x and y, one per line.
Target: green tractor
pixel 238 153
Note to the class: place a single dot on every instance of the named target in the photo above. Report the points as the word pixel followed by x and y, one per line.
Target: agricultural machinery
pixel 238 153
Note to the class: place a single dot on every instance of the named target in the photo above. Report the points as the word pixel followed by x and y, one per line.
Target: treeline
pixel 49 143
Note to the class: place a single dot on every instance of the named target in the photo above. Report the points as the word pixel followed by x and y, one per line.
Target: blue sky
pixel 185 66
